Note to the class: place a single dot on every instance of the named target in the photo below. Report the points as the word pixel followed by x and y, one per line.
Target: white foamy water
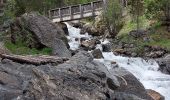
pixel 146 71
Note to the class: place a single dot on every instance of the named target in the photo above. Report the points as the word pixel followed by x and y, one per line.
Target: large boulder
pixel 64 27
pixel 129 86
pixel 97 54
pixel 164 64
pixel 77 79
pixel 80 78
pixel 36 31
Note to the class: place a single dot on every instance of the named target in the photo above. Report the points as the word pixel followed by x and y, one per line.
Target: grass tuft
pixel 20 49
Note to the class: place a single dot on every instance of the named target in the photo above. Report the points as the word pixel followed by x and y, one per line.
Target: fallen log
pixel 34 59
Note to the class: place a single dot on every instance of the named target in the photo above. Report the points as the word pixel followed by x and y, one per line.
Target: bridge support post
pixel 49 14
pixel 81 11
pixel 92 7
pixel 104 3
pixel 71 13
pixel 60 14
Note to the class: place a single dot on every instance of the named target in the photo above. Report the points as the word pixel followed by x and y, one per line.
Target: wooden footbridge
pixel 80 11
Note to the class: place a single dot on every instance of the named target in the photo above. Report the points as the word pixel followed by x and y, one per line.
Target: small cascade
pixel 146 71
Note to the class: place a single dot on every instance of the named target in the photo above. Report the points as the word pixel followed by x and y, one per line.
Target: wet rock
pixel 97 54
pixel 64 27
pixel 77 24
pixel 107 47
pixel 130 85
pixel 76 39
pixel 119 51
pixel 98 41
pixel 125 96
pixel 155 95
pixel 114 64
pixel 112 84
pixel 83 39
pixel 73 52
pixel 88 44
pixel 164 64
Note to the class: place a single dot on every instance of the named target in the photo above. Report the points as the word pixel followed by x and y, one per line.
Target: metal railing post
pixel 92 7
pixel 81 11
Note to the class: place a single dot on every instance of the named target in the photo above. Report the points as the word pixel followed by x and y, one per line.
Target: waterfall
pixel 145 71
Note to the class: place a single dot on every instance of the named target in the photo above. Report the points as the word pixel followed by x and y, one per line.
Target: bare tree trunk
pixel 35 60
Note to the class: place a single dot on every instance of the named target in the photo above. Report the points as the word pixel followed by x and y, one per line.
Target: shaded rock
pixel 83 39
pixel 107 47
pixel 77 79
pixel 137 33
pixel 155 95
pixel 36 31
pixel 77 24
pixel 164 64
pixel 97 54
pixel 73 52
pixel 64 27
pixel 125 96
pixel 60 49
pixel 131 86
pixel 112 83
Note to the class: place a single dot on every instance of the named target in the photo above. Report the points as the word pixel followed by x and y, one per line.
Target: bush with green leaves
pixel 158 9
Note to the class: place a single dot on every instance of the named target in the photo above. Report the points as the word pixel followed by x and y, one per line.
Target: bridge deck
pixel 76 12
pixel 80 11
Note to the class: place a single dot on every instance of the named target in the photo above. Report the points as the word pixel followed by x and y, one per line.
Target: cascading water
pixel 146 71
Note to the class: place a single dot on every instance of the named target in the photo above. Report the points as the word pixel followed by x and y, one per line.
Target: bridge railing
pixel 76 9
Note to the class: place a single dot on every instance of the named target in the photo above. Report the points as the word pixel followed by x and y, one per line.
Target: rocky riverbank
pixel 79 78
